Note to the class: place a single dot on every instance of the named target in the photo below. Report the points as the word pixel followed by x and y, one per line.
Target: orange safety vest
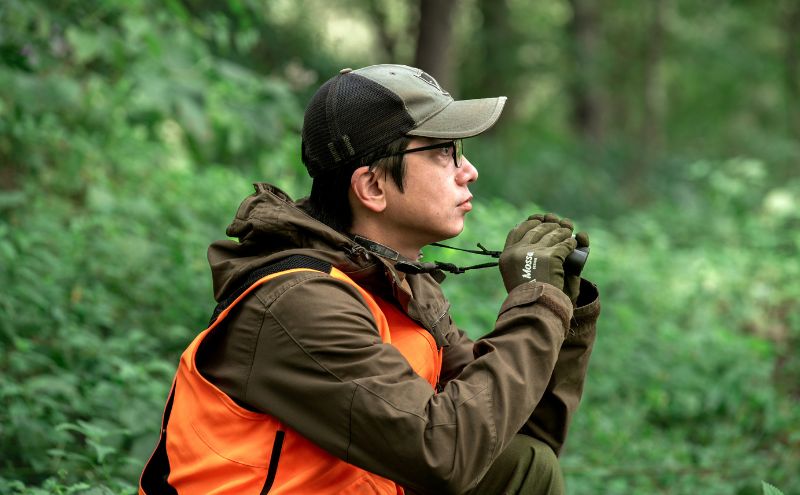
pixel 211 445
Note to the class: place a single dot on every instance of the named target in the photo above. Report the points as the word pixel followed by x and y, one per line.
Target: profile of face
pixel 435 197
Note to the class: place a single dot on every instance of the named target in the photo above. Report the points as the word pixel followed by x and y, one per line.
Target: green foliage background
pixel 130 131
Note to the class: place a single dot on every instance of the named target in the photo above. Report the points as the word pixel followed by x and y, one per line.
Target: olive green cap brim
pixel 462 119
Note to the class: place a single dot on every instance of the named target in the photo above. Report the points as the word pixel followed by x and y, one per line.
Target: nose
pixel 467 172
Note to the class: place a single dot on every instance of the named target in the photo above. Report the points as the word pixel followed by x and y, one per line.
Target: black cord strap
pixel 450 267
pixel 483 250
pixel 406 265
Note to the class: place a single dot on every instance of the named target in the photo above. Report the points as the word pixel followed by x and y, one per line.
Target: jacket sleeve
pixel 456 355
pixel 319 365
pixel 553 414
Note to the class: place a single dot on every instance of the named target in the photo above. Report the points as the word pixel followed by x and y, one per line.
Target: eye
pixel 446 151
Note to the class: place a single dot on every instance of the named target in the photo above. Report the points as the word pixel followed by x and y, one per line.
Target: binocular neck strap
pixel 409 266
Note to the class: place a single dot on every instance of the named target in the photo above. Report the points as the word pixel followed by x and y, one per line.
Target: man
pixel 332 364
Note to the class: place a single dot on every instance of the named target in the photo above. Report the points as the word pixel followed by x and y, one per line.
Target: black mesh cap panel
pixel 349 117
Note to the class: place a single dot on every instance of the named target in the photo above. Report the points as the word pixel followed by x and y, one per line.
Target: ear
pixel 369 188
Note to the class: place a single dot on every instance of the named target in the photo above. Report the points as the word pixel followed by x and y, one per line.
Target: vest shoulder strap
pixel 289 263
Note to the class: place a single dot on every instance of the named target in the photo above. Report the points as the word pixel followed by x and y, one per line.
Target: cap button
pixel 345 71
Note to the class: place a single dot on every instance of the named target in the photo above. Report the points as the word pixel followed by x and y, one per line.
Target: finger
pixel 556 236
pixel 519 231
pixel 538 216
pixel 510 238
pixel 551 217
pixel 534 235
pixel 563 248
pixel 582 238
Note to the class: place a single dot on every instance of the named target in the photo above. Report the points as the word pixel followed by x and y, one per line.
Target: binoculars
pixel 573 264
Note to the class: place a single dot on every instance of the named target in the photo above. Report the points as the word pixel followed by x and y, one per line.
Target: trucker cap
pixel 357 111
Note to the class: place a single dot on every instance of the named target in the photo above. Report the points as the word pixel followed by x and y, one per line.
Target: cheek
pixel 438 186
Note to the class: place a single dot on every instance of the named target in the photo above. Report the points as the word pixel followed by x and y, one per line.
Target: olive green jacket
pixel 304 348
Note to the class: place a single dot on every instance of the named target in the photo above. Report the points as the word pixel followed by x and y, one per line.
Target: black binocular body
pixel 573 264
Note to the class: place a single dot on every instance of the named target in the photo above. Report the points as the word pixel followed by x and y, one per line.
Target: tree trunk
pixel 654 106
pixel 498 67
pixel 654 95
pixel 585 86
pixel 791 29
pixel 434 47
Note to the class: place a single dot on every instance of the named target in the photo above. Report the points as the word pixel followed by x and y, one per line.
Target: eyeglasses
pixel 453 148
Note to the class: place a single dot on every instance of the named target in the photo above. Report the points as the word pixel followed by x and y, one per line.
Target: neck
pixel 386 247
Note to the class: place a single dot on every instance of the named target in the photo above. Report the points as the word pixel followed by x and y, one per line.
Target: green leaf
pixel 769 489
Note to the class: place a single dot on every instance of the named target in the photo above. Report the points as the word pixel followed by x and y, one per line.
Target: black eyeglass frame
pixel 457 144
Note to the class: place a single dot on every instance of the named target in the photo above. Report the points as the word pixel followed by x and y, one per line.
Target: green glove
pixel 572 283
pixel 535 251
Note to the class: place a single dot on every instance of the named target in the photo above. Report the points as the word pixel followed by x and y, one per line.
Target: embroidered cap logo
pixel 431 81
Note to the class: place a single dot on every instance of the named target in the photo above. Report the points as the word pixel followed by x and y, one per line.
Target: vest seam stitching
pixel 202 438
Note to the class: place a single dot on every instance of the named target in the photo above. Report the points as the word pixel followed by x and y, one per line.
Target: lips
pixel 466 204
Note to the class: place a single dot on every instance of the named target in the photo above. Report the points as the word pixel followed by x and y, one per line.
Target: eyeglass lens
pixel 458 151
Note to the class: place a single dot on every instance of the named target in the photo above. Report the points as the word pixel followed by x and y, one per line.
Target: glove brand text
pixel 530 265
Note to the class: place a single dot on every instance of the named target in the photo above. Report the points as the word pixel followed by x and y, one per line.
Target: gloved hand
pixel 572 282
pixel 535 251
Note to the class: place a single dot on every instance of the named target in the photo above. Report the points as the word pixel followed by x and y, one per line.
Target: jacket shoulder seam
pixel 411 413
pixel 350 425
pixel 296 280
pixel 268 308
pixel 383 399
pixel 252 359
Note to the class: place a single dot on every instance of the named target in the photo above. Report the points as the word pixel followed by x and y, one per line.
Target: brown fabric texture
pixel 304 348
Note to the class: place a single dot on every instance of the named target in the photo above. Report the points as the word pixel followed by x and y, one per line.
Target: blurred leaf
pixel 769 489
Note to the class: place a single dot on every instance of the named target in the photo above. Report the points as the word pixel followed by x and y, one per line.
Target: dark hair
pixel 328 201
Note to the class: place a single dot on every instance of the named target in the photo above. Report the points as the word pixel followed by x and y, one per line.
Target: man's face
pixel 435 197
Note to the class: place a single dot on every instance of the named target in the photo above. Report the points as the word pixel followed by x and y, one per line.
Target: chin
pixel 454 231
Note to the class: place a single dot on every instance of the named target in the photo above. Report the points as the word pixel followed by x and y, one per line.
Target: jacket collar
pixel 269 225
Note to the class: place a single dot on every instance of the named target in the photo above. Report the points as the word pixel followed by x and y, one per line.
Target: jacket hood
pixel 269 226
